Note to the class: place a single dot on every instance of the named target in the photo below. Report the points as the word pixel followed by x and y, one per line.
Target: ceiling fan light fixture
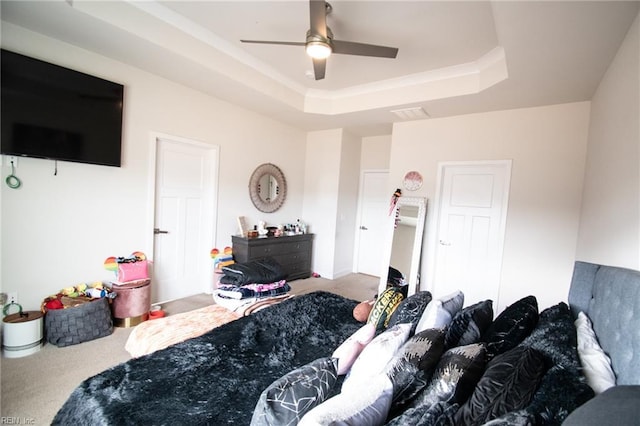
pixel 318 49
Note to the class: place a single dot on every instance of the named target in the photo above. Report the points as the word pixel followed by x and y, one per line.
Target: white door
pixel 185 193
pixel 374 208
pixel 472 208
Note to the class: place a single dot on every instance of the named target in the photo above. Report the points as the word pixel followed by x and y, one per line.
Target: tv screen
pixel 48 111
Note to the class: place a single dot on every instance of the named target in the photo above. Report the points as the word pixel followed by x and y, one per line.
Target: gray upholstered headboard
pixel 610 296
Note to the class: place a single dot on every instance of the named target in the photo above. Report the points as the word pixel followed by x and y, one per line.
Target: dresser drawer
pixel 275 250
pixel 292 252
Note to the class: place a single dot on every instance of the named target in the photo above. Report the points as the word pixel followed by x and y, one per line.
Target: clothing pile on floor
pixel 245 284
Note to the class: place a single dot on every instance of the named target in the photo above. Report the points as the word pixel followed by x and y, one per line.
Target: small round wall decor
pixel 412 181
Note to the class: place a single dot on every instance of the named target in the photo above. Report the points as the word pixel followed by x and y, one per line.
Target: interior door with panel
pixel 184 220
pixel 472 208
pixel 374 206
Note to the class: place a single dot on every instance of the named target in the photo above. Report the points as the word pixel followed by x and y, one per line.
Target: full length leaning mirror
pixel 405 242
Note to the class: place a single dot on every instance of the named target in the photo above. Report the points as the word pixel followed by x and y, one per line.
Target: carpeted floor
pixel 35 387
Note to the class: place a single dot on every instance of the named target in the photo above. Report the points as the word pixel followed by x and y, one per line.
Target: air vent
pixel 413 113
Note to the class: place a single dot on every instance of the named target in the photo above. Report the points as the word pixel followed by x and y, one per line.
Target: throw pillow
pixel 596 365
pixel 508 384
pixel 375 356
pixel 440 312
pixel 289 398
pixel 349 350
pixel 410 310
pixel 384 307
pixel 468 324
pixel 424 349
pixel 366 405
pixel 563 387
pixel 455 377
pixel 512 326
pixel 362 310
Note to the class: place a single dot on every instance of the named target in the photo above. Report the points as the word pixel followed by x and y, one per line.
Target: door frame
pixel 432 236
pixel 356 248
pixel 154 138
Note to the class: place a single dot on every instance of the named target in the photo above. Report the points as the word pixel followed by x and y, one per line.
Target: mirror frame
pixel 259 172
pixel 412 277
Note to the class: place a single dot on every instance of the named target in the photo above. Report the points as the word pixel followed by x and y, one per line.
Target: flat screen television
pixel 48 111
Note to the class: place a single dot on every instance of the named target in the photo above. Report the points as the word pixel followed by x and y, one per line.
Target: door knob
pixel 364 228
pixel 159 231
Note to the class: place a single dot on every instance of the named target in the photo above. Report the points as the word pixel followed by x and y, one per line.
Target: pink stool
pixel 132 303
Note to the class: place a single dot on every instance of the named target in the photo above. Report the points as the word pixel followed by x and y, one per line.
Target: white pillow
pixel 595 363
pixel 368 404
pixel 375 356
pixel 439 313
pixel 349 350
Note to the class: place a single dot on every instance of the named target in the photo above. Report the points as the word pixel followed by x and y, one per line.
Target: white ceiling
pixel 454 57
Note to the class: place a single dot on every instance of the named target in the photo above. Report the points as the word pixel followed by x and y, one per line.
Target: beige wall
pixel 610 220
pixel 58 230
pixel 547 146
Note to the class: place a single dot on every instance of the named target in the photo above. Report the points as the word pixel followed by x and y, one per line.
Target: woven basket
pixel 88 321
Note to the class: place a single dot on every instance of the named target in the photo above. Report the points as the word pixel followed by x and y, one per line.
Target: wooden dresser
pixel 292 252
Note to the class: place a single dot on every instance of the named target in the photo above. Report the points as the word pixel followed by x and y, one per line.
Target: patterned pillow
pixel 376 355
pixel 440 312
pixel 349 350
pixel 455 377
pixel 290 397
pixel 512 326
pixel 508 384
pixel 411 309
pixel 367 404
pixel 384 307
pixel 468 324
pixel 425 348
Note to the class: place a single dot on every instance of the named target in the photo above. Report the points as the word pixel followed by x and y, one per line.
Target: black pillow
pixel 455 377
pixel 290 397
pixel 563 387
pixel 468 324
pixel 508 384
pixel 512 326
pixel 410 310
pixel 424 349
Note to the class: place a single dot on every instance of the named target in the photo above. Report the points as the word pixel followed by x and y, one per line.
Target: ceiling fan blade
pixel 285 43
pixel 362 49
pixel 318 14
pixel 319 67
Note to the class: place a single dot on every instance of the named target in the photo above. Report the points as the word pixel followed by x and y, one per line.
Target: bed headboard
pixel 610 296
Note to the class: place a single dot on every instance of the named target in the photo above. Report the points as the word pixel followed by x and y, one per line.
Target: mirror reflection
pixel 268 188
pixel 405 245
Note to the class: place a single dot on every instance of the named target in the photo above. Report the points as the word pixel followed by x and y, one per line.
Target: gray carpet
pixel 35 387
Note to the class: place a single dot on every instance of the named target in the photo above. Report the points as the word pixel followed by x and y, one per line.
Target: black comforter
pixel 216 378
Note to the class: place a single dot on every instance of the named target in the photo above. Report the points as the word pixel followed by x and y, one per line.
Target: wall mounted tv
pixel 48 111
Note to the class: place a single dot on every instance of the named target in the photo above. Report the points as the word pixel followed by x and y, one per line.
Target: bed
pixel 306 361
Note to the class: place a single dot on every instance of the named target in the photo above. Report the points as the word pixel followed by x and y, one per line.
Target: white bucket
pixel 22 334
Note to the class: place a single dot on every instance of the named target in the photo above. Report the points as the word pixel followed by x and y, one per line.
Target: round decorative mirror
pixel 267 188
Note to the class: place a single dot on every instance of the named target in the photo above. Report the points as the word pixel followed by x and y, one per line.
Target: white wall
pixel 58 230
pixel 321 182
pixel 375 152
pixel 610 220
pixel 347 204
pixel 548 148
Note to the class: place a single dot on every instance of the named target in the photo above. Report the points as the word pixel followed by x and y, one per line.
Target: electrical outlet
pixel 12 297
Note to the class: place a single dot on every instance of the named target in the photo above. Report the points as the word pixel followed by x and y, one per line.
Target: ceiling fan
pixel 320 43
